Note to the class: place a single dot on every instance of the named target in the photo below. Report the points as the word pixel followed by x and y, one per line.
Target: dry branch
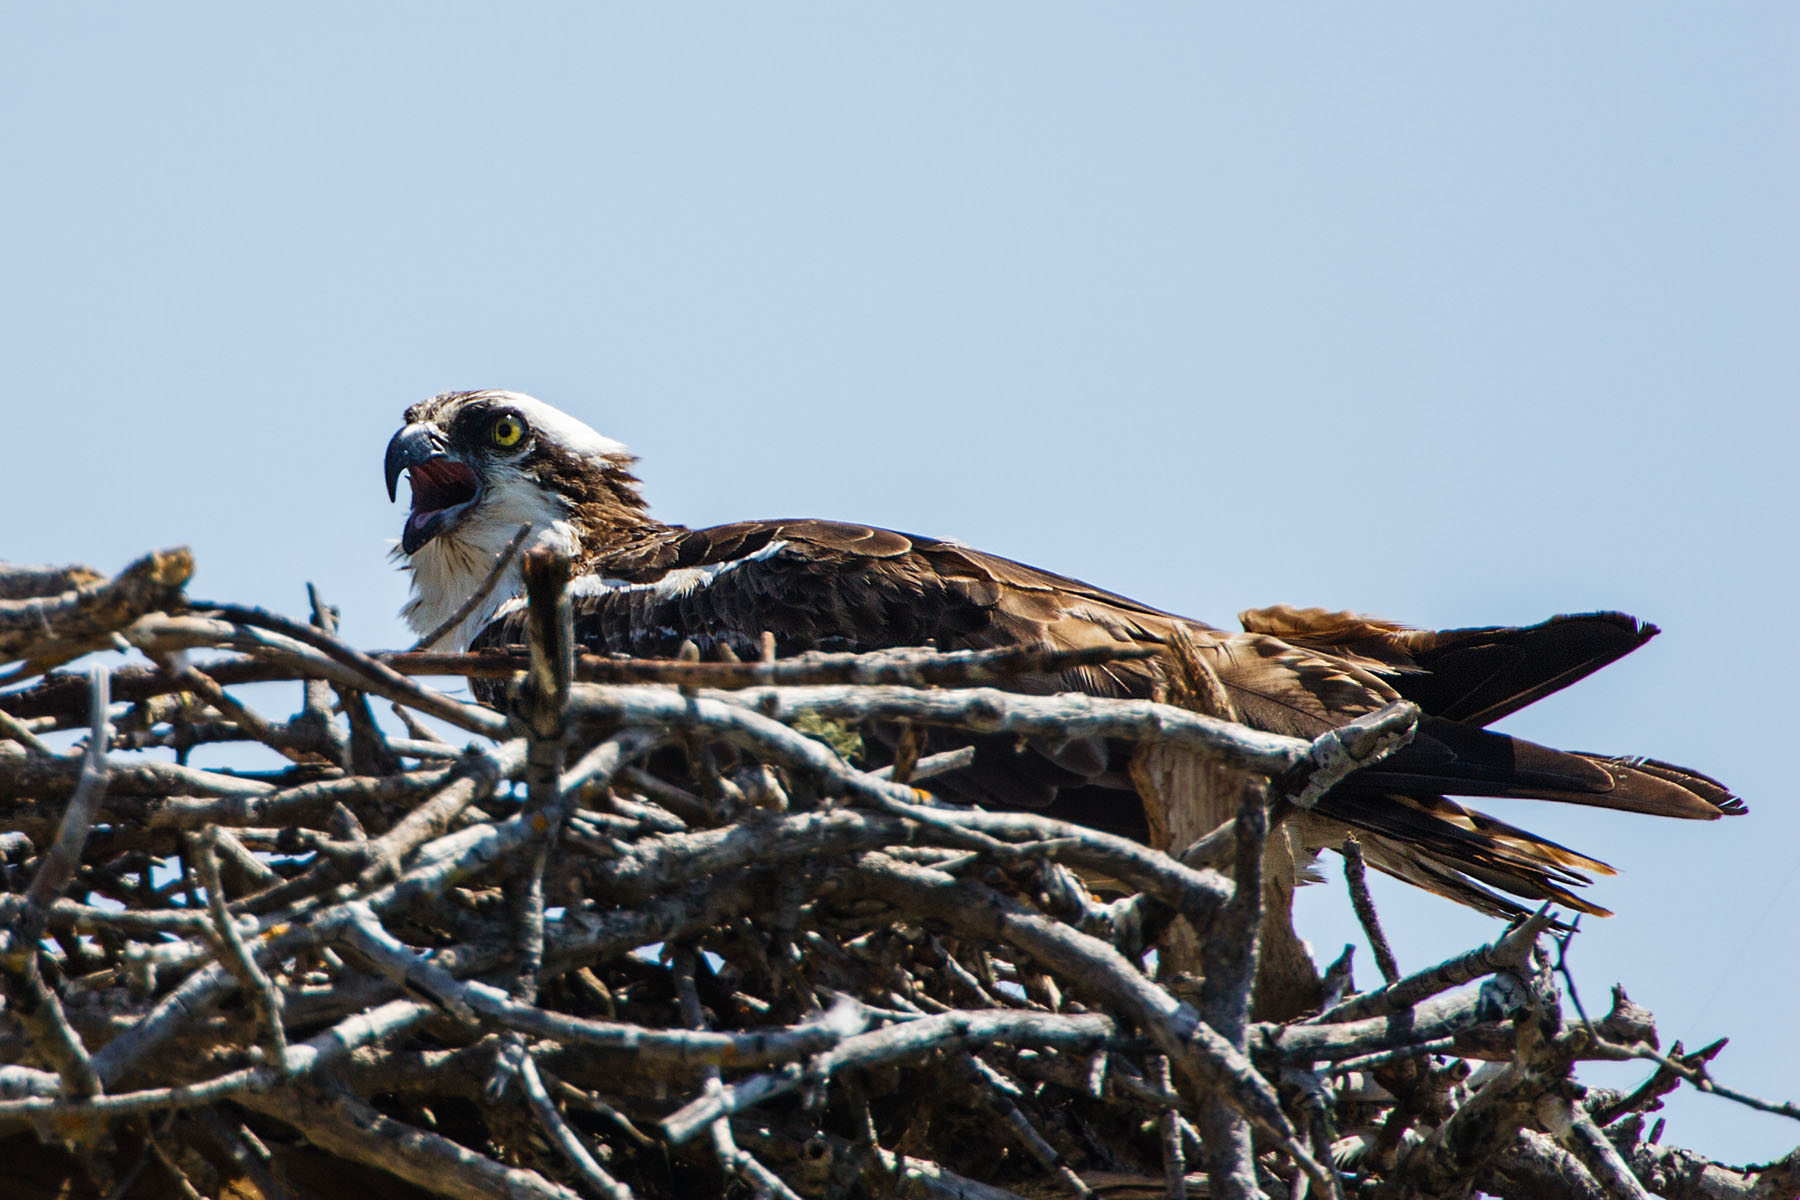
pixel 45 628
pixel 650 936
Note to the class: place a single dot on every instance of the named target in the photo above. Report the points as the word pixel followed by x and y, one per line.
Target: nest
pixel 655 931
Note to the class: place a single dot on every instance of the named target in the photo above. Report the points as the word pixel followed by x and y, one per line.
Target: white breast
pixel 447 569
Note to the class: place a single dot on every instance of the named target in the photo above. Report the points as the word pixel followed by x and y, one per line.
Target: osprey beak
pixel 444 487
pixel 408 448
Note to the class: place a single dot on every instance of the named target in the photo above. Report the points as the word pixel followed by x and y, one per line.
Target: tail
pixel 1465 679
pixel 1471 676
pixel 1467 856
pixel 1446 757
pixel 1411 830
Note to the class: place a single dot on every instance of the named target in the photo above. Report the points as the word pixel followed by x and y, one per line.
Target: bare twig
pixel 1229 956
pixel 361 1133
pixel 481 593
pixel 1510 952
pixel 262 992
pixel 18 731
pixel 542 697
pixel 30 997
pixel 564 1138
pixel 731 1157
pixel 1574 1127
pixel 903 667
pixel 955 1029
pixel 1356 876
pixel 59 867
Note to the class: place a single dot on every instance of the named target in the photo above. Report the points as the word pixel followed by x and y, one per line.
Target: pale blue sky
pixel 1454 315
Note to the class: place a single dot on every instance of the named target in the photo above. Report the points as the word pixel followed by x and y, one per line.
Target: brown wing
pixel 819 585
pixel 823 585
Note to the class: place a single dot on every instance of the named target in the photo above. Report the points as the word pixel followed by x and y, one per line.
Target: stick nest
pixel 643 931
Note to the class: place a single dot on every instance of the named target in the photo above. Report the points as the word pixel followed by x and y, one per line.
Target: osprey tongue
pixel 422 524
pixel 439 485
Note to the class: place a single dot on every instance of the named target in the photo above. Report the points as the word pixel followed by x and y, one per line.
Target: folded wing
pixel 818 585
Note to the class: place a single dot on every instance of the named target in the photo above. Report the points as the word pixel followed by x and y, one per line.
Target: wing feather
pixel 821 585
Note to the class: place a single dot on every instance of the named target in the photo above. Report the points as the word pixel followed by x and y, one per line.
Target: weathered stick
pixel 50 629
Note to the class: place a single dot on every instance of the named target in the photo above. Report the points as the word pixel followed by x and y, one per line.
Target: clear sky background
pixel 1457 315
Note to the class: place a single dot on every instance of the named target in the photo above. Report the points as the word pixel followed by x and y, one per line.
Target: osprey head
pixel 484 463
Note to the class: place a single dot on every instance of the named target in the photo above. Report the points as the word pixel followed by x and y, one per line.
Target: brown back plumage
pixel 819 585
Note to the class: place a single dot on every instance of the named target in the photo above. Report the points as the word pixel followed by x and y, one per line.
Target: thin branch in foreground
pixel 539 705
pixel 357 1131
pixel 564 1138
pixel 59 868
pixel 263 995
pixel 915 667
pixel 732 1158
pixel 1356 878
pixel 486 588
pixel 30 997
pixel 1229 956
pixel 15 729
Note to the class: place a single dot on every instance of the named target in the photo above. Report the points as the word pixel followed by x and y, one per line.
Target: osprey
pixel 483 463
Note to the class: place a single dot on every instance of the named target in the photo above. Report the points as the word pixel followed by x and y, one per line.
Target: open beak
pixel 443 487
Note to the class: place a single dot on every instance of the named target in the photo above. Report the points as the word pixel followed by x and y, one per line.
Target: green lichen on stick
pixel 845 741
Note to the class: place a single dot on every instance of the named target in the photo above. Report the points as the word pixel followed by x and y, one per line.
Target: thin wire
pixel 1737 959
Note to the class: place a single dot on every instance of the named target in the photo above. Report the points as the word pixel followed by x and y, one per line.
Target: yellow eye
pixel 507 431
